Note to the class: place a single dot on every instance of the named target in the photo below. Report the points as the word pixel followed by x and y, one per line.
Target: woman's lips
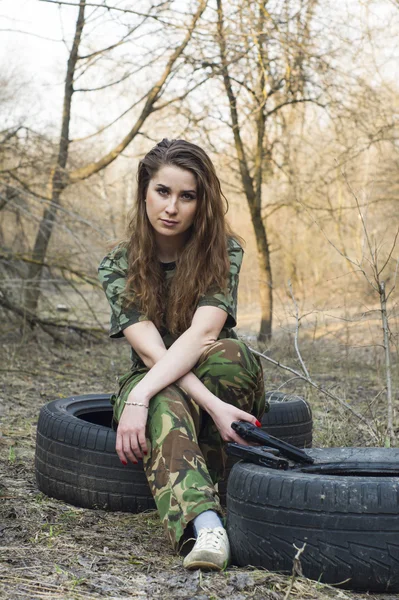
pixel 168 223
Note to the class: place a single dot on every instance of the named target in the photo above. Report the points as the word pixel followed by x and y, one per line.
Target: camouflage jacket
pixel 112 274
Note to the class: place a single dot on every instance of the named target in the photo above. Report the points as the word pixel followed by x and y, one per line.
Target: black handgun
pixel 266 457
pixel 250 433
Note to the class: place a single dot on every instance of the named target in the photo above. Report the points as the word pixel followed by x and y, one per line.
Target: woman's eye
pixel 164 192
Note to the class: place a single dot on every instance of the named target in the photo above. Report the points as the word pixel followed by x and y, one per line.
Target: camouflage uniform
pixel 185 451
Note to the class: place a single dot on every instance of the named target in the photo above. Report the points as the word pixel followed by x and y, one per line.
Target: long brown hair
pixel 202 265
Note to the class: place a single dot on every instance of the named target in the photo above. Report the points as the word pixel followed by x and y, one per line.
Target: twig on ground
pixel 385 328
pixel 379 286
pixel 33 373
pixel 322 390
pixel 296 569
pixel 298 323
pixel 49 325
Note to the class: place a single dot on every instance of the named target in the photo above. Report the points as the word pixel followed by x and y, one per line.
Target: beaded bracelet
pixel 136 404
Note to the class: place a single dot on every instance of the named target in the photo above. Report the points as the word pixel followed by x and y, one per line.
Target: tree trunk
pixel 58 180
pixel 252 185
pixel 265 279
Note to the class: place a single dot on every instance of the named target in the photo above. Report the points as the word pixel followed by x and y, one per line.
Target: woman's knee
pixel 232 373
pixel 170 409
pixel 232 351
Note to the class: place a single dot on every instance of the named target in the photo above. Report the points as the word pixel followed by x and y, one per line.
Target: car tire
pixel 76 461
pixel 289 419
pixel 349 523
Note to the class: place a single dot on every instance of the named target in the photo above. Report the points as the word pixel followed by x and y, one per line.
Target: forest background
pixel 296 101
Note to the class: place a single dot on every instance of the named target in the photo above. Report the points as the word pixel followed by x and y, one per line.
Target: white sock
pixel 208 518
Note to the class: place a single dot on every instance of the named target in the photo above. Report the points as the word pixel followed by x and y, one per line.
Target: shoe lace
pixel 209 538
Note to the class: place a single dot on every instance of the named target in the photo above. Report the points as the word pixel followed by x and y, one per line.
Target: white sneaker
pixel 211 550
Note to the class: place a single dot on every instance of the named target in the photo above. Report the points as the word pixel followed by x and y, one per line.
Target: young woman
pixel 172 287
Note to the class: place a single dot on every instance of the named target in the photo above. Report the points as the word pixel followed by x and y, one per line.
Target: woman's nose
pixel 171 208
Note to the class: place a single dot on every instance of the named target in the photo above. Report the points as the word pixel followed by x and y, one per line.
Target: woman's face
pixel 171 202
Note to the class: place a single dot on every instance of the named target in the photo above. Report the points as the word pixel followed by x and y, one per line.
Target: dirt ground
pixel 49 549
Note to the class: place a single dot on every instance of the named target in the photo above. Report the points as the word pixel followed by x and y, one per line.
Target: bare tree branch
pixel 42 37
pixel 152 96
pixel 106 85
pixel 104 5
pixel 322 390
pixel 49 324
pixel 390 253
pixel 297 325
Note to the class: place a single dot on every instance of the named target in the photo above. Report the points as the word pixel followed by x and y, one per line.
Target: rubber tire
pixel 289 419
pixel 76 460
pixel 350 524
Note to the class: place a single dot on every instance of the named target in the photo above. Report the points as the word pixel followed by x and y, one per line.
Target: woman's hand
pixel 130 436
pixel 224 414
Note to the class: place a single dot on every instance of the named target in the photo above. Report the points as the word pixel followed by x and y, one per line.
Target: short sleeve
pixel 112 274
pixel 227 301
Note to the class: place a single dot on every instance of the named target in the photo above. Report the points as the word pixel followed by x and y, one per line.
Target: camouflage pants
pixel 185 451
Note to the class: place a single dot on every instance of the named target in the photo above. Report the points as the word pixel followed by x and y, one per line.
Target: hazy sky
pixel 34 54
pixel 39 54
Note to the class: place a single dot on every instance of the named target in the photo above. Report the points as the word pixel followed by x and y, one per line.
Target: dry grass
pixel 52 550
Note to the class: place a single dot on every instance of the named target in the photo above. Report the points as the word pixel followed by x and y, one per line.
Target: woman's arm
pixel 146 340
pixel 170 366
pixel 184 353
